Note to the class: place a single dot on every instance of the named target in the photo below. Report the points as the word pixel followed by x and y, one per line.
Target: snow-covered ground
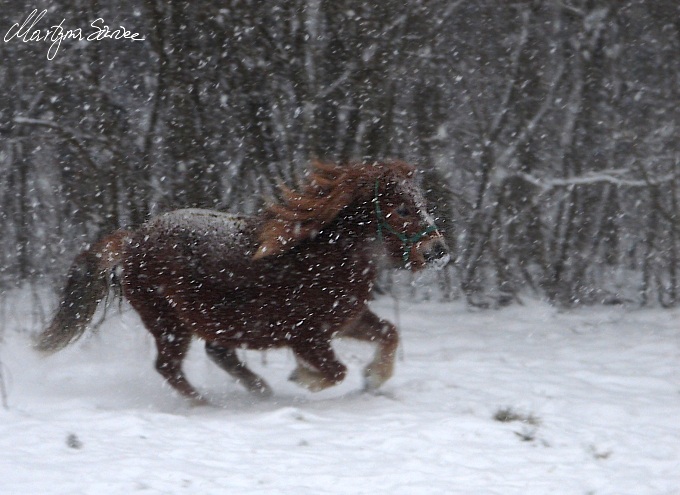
pixel 590 401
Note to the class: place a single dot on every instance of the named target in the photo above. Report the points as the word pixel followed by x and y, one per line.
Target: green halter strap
pixel 407 242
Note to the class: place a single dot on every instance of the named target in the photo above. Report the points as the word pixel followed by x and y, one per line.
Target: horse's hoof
pixel 261 390
pixel 311 380
pixel 199 402
pixel 373 380
pixel 380 393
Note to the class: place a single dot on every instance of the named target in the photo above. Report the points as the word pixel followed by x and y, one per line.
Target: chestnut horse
pixel 295 276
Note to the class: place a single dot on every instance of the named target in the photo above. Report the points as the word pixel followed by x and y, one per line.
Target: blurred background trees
pixel 547 131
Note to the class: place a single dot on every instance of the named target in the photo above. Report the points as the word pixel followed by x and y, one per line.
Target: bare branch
pixel 497 123
pixel 71 136
pixel 610 177
pixel 529 128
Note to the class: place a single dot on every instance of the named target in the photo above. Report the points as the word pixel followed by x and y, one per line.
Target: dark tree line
pixel 547 131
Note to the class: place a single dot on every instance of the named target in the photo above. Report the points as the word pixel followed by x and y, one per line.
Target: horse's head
pixel 402 222
pixel 382 197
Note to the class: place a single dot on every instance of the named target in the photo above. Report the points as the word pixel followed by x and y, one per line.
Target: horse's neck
pixel 350 235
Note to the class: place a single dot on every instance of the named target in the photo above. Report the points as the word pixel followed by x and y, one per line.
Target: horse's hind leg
pixel 370 328
pixel 172 342
pixel 172 348
pixel 227 359
pixel 318 368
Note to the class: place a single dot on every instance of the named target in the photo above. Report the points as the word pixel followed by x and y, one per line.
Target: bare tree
pixel 546 131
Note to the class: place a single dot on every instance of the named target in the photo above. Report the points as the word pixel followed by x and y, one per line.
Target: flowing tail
pixel 88 282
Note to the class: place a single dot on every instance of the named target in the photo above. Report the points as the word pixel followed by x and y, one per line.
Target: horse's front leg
pixel 370 328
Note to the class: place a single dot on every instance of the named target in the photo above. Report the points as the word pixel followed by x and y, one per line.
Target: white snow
pixel 599 389
pixel 202 221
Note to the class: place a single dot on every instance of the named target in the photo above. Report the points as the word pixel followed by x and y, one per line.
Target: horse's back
pixel 205 227
pixel 194 245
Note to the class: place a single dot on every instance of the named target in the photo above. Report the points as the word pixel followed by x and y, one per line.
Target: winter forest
pixel 543 357
pixel 546 131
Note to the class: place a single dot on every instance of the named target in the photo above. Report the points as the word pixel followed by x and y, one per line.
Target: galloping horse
pixel 296 276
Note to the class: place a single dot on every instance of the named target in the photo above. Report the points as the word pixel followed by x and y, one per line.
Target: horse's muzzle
pixel 436 252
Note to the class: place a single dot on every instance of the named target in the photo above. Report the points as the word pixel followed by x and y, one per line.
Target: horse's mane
pixel 329 189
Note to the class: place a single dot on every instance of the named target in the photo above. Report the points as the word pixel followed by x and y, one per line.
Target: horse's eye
pixel 403 211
